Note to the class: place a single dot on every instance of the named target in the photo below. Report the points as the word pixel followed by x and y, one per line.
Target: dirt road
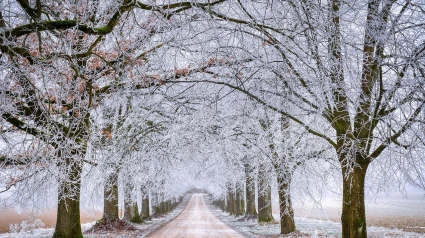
pixel 195 221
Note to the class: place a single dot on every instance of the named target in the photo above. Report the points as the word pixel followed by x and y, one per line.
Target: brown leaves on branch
pixel 107 132
pixel 211 62
pixel 216 61
pixel 182 72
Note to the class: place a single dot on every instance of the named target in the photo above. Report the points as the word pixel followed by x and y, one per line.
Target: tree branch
pixel 394 137
pixel 252 96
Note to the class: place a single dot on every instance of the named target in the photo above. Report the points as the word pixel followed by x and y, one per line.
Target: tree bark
pixel 110 200
pixel 287 223
pixel 128 210
pixel 251 211
pixel 353 216
pixel 163 207
pixel 159 207
pixel 68 218
pixel 220 203
pixel 231 209
pixel 223 204
pixel 145 208
pixel 131 211
pixel 136 218
pixel 169 206
pixel 265 204
pixel 128 203
pixel 240 206
pixel 264 197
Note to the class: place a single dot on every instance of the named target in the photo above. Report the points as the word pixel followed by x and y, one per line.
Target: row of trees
pixel 157 94
pixel 62 64
pixel 350 74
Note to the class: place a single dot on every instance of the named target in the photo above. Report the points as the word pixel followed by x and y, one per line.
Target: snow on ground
pixel 306 227
pixel 393 211
pixel 36 230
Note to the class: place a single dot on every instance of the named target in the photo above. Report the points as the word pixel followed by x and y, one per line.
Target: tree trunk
pixel 264 197
pixel 128 210
pixel 265 205
pixel 136 218
pixel 159 207
pixel 223 204
pixel 163 207
pixel 156 205
pixel 231 203
pixel 169 208
pixel 128 203
pixel 145 208
pixel 353 217
pixel 68 218
pixel 240 206
pixel 219 203
pixel 250 192
pixel 110 200
pixel 242 202
pixel 131 210
pixel 287 223
pixel 234 204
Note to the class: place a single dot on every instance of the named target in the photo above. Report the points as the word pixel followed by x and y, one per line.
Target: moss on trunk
pixel 135 216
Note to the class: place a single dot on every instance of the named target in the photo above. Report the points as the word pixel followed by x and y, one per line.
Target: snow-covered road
pixel 196 221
